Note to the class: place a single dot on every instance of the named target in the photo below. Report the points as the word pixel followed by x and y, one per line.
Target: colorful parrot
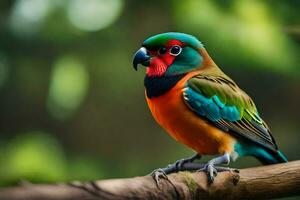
pixel 200 106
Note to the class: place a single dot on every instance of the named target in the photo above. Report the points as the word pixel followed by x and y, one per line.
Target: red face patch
pixel 162 60
pixel 157 67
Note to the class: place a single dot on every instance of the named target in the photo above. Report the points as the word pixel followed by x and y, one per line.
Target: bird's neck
pixel 159 85
pixel 207 60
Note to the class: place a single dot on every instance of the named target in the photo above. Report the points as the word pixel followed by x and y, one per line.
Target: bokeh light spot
pixel 68 87
pixel 93 15
pixel 35 155
pixel 27 15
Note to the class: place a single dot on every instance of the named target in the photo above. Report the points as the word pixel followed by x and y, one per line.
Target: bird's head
pixel 168 54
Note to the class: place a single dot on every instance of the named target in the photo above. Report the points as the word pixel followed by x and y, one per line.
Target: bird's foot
pixel 159 174
pixel 212 171
pixel 179 165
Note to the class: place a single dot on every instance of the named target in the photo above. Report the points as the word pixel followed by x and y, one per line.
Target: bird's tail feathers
pixel 268 157
pixel 281 157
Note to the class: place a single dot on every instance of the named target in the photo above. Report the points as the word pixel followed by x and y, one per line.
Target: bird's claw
pixel 157 174
pixel 212 171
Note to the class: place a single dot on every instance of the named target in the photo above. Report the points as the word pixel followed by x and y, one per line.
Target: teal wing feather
pixel 220 101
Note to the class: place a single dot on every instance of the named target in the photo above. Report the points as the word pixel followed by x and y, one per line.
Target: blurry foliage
pixel 38 157
pixel 3 71
pixel 65 69
pixel 35 156
pixel 68 87
pixel 248 26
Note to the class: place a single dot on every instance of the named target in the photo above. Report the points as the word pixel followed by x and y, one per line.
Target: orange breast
pixel 170 111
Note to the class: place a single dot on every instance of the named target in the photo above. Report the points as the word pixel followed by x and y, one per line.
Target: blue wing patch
pixel 212 108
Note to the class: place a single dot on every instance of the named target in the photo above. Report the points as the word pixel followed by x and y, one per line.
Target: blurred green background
pixel 73 108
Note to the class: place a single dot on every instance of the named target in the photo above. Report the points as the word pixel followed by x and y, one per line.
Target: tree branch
pixel 263 182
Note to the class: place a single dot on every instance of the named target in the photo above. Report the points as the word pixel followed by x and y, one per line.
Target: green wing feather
pixel 213 82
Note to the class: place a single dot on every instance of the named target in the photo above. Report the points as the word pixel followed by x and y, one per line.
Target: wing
pixel 220 101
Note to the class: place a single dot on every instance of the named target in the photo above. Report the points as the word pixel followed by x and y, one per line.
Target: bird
pixel 200 106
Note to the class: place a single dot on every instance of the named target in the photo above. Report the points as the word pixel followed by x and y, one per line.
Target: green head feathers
pixel 159 40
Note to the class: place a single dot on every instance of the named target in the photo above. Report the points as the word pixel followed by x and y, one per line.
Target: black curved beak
pixel 141 57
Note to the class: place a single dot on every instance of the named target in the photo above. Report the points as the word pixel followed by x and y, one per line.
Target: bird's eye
pixel 162 50
pixel 175 50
